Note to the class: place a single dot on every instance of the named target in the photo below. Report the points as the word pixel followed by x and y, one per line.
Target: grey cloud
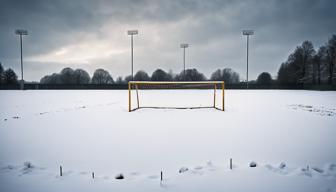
pixel 213 28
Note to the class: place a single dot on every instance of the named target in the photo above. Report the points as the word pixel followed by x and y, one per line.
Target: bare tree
pixel 230 75
pixel 285 74
pixel 81 76
pixel 128 78
pixel 264 78
pixel 101 76
pixel 1 74
pixel 10 77
pixel 298 67
pixel 190 75
pixel 119 80
pixel 161 75
pixel 319 63
pixel 55 78
pixel 227 75
pixel 67 76
pixel 141 76
pixel 331 58
pixel 308 53
pixel 217 75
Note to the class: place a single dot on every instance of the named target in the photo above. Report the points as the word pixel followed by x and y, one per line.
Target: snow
pixel 92 131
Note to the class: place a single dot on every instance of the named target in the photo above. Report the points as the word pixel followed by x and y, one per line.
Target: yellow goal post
pixel 137 85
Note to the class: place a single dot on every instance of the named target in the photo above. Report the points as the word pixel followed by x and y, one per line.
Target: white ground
pixel 92 131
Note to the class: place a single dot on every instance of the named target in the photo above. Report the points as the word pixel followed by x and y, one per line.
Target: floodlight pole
pixel 184 46
pixel 247 54
pixel 247 33
pixel 184 63
pixel 21 32
pixel 131 33
pixel 132 54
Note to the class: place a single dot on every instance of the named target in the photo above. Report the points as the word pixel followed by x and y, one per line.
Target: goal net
pixel 175 95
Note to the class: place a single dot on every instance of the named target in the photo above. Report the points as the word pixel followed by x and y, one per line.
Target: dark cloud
pixel 213 28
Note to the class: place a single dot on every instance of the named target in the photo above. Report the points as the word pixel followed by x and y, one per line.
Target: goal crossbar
pixel 176 82
pixel 220 85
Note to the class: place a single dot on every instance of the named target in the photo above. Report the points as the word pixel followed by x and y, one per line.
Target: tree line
pixel 304 66
pixel 101 76
pixel 308 66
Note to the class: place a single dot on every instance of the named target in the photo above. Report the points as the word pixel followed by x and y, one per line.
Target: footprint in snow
pixel 29 168
pixel 320 110
pixel 281 169
pixel 198 168
pixel 317 169
pixel 308 171
pixel 211 166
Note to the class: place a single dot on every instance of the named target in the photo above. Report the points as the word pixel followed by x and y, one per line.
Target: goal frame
pixel 136 83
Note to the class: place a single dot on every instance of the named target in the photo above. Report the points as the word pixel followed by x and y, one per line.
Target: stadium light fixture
pixel 132 33
pixel 247 33
pixel 184 46
pixel 21 32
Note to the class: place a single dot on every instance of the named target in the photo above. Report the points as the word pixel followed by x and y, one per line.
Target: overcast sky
pixel 91 34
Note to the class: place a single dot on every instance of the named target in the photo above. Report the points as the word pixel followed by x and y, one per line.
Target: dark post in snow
pixel 247 33
pixel 131 33
pixel 184 46
pixel 230 163
pixel 161 176
pixel 93 175
pixel 21 32
pixel 61 172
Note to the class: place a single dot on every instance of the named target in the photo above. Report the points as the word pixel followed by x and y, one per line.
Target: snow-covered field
pixel 92 131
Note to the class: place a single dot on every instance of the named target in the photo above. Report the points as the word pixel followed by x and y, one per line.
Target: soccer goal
pixel 175 95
